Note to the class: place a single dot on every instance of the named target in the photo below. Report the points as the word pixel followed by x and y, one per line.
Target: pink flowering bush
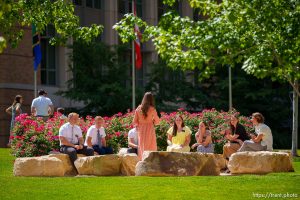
pixel 34 137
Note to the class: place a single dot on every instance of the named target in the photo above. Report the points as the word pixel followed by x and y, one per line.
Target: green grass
pixel 100 188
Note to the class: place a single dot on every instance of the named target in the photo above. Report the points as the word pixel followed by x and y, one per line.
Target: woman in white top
pixel 264 139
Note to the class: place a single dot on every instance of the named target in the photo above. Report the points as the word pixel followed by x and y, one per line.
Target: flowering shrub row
pixel 34 137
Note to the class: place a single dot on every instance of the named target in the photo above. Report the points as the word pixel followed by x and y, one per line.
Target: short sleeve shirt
pixel 179 139
pixel 71 132
pixel 92 132
pixel 41 104
pixel 267 139
pixel 133 134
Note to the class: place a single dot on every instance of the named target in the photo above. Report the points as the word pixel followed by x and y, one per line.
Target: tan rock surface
pixel 261 162
pixel 102 165
pixel 177 164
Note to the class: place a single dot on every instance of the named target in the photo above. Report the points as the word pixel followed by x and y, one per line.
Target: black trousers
pixel 72 152
pixel 102 150
pixel 132 150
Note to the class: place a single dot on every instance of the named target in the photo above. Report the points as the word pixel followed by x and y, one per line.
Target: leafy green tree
pixel 100 78
pixel 15 15
pixel 174 88
pixel 263 35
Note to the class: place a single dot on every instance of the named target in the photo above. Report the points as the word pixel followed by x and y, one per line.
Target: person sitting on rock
pixel 204 140
pixel 95 137
pixel 236 138
pixel 132 141
pixel 264 139
pixel 71 140
pixel 179 136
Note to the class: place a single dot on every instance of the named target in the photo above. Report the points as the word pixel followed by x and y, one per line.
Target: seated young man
pixel 132 141
pixel 264 139
pixel 71 140
pixel 95 137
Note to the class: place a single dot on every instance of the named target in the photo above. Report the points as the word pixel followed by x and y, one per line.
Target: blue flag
pixel 36 47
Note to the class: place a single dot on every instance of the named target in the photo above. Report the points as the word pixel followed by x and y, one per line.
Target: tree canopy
pixel 16 15
pixel 263 35
pixel 99 81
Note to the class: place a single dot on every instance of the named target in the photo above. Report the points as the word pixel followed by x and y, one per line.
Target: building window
pixel 162 8
pixel 94 4
pixel 97 4
pixel 89 3
pixel 77 2
pixel 125 6
pixel 48 64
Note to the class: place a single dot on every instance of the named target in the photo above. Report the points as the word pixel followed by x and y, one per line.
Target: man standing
pixel 42 106
pixel 95 137
pixel 71 140
pixel 264 139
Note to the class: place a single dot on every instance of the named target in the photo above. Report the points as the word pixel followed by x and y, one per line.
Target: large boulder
pixel 220 161
pixel 177 164
pixel 69 169
pixel 39 166
pixel 261 162
pixel 128 163
pixel 102 165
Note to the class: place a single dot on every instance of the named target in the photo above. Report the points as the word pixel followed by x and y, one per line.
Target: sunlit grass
pixel 220 187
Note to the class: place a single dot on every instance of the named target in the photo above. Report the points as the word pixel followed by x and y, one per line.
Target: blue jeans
pixel 102 150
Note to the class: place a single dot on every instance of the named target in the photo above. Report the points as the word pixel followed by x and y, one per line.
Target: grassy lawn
pixel 221 187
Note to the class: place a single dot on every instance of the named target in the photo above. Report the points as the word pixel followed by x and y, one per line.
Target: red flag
pixel 137 44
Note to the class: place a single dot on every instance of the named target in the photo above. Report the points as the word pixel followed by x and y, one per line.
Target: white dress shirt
pixel 92 132
pixel 71 133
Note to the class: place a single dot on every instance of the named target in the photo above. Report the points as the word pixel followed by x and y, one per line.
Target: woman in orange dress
pixel 145 118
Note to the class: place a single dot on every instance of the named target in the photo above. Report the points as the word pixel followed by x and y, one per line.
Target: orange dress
pixel 145 130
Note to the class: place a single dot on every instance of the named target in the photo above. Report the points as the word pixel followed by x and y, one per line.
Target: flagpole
pixel 35 84
pixel 133 66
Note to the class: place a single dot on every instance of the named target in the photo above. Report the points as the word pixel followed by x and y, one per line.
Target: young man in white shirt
pixel 132 141
pixel 95 137
pixel 264 139
pixel 42 106
pixel 71 140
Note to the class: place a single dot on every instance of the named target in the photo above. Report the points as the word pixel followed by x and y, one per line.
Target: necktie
pixel 72 135
pixel 99 138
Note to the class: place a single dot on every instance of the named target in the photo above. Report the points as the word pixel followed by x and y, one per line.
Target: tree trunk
pixel 295 119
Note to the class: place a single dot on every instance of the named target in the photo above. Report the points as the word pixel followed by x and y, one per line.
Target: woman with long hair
pixel 203 138
pixel 145 118
pixel 236 138
pixel 14 110
pixel 179 136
